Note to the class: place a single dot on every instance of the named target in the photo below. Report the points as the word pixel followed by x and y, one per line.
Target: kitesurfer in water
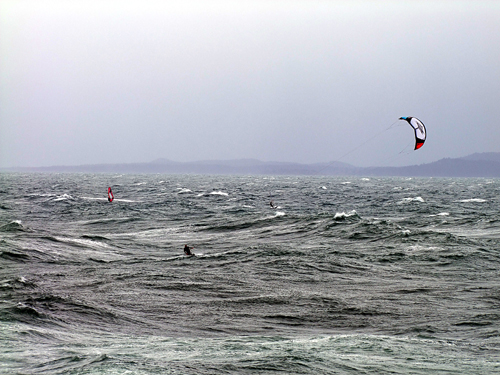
pixel 272 205
pixel 187 250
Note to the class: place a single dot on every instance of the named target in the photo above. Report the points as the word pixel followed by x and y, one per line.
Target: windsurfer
pixel 110 195
pixel 187 250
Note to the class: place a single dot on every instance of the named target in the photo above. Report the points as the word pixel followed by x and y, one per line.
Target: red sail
pixel 110 195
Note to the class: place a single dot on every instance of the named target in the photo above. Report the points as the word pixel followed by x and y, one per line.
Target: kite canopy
pixel 420 132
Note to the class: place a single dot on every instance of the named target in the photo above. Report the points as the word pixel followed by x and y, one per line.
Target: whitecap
pixel 409 200
pixel 343 215
pixel 114 200
pixel 219 193
pixel 473 200
pixel 184 190
pixel 441 214
pixel 83 242
pixel 279 214
pixel 63 197
pixel 42 195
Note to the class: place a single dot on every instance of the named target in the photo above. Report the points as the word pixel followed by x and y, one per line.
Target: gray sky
pixel 86 82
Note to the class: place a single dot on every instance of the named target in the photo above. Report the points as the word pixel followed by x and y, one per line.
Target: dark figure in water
pixel 187 250
pixel 272 205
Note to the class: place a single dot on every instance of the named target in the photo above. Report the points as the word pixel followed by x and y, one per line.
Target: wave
pixel 95 198
pixel 265 353
pixel 197 255
pixel 112 220
pixel 409 200
pixel 254 223
pixel 82 242
pixel 276 215
pixel 22 311
pixel 16 283
pixel 13 226
pixel 71 198
pixel 353 353
pixel 219 193
pixel 71 250
pixel 75 364
pixel 213 193
pixel 440 214
pixel 94 238
pixel 343 216
pixel 63 198
pixel 52 197
pixel 13 255
pixel 60 309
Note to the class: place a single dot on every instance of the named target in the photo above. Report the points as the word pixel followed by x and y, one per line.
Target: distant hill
pixel 238 167
pixel 485 156
pixel 461 167
pixel 485 164
pixel 476 165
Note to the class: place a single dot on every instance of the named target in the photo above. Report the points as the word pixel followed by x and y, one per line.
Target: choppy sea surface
pixel 348 275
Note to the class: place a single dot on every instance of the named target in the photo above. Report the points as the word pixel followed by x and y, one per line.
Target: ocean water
pixel 347 276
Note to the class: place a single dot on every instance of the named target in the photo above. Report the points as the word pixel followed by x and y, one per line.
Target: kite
pixel 420 132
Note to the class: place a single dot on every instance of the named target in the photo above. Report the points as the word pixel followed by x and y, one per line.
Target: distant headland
pixel 476 165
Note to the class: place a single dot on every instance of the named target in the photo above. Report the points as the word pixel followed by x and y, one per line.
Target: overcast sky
pixel 87 82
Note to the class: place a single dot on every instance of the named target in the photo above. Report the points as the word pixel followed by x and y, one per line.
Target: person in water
pixel 187 250
pixel 272 205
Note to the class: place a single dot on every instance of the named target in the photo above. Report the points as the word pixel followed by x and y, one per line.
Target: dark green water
pixel 346 276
